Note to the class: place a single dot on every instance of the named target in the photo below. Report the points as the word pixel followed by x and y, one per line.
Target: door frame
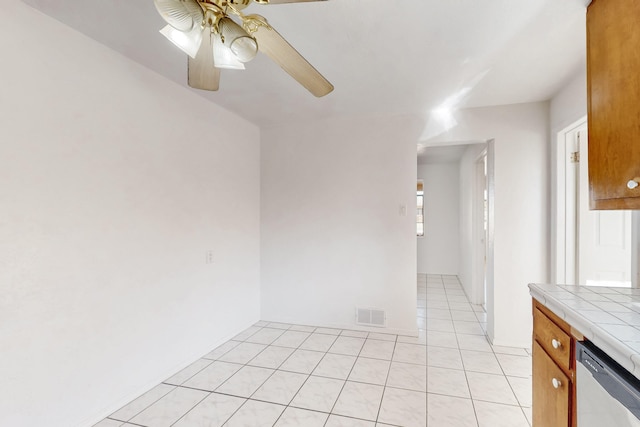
pixel 564 255
pixel 479 234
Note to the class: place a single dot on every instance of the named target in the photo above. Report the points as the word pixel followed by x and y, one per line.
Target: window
pixel 420 210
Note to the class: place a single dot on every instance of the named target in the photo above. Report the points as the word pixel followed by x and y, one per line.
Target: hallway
pixel 470 382
pixel 291 375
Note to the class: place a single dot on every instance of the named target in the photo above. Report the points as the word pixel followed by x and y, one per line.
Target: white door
pixel 604 248
pixel 480 218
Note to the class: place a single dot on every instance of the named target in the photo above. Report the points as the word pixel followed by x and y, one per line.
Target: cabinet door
pixel 613 85
pixel 552 339
pixel 551 391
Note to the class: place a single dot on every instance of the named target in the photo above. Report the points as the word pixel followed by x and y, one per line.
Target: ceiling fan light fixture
pixel 189 42
pixel 243 46
pixel 182 15
pixel 223 57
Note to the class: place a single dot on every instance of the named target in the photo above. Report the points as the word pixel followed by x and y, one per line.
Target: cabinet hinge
pixel 575 157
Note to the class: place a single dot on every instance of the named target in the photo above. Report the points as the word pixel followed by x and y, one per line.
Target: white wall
pixel 332 234
pixel 113 183
pixel 568 106
pixel 439 249
pixel 521 235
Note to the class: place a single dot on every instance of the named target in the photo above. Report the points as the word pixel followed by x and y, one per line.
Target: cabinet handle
pixel 633 183
pixel 556 383
pixel 556 344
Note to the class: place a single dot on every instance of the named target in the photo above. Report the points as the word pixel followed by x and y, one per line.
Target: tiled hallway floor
pixel 289 375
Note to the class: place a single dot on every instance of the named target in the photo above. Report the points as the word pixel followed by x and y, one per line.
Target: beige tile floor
pixel 291 375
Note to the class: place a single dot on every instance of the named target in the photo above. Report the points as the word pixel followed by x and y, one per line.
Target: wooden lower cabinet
pixel 551 391
pixel 553 370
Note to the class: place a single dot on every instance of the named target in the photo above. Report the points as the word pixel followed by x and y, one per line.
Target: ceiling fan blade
pixel 272 44
pixel 202 71
pixel 285 1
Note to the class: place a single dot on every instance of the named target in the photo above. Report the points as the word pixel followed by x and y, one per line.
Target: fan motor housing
pixel 238 4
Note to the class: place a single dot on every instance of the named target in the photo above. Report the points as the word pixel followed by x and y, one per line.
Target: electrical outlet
pixel 208 257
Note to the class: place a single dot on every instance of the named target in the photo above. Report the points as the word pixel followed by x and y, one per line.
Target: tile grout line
pixel 384 387
pixel 225 381
pixel 506 377
pixel 347 379
pixel 466 378
pixel 146 407
pixel 426 357
pixel 275 370
pixel 308 375
pixel 244 365
pixel 185 414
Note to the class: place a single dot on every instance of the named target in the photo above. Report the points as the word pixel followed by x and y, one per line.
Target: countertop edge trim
pixel 615 348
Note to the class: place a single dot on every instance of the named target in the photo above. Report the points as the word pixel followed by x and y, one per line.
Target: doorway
pixel 594 248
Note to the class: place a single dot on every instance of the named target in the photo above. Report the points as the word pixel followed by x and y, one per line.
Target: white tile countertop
pixel 608 317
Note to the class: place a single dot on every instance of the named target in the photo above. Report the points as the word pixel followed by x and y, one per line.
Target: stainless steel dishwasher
pixel 607 394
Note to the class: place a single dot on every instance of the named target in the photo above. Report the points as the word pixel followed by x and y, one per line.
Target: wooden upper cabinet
pixel 613 85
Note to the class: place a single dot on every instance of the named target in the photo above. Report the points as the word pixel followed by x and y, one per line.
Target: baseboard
pixel 351 327
pixel 511 344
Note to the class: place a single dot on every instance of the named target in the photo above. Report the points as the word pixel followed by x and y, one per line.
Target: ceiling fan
pixel 205 31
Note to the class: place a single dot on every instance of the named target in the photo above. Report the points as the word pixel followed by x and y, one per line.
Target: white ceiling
pixel 383 56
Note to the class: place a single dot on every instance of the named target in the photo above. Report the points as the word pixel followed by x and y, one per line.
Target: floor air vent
pixel 371 317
